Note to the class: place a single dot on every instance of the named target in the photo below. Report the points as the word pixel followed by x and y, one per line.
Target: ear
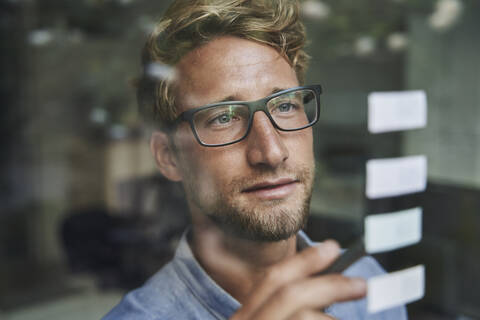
pixel 165 156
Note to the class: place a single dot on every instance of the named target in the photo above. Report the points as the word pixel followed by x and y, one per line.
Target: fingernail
pixel 328 248
pixel 359 285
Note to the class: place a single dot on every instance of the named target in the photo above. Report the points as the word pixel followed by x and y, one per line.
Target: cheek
pixel 207 169
pixel 198 181
pixel 300 146
pixel 222 164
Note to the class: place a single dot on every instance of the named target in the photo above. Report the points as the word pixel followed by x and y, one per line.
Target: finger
pixel 302 265
pixel 312 293
pixel 307 314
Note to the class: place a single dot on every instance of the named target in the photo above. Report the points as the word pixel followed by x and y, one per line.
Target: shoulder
pixel 161 297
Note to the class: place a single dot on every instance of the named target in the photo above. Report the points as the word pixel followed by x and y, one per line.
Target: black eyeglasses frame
pixel 253 106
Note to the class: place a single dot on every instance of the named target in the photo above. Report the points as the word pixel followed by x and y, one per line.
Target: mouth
pixel 271 190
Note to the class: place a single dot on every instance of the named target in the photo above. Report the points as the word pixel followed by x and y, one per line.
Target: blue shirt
pixel 183 290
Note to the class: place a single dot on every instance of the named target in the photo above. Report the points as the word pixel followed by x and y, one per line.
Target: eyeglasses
pixel 224 123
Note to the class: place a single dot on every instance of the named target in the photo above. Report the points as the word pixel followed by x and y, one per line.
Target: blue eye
pixel 285 107
pixel 224 118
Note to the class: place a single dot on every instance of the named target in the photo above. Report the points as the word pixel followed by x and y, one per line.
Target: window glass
pixel 85 215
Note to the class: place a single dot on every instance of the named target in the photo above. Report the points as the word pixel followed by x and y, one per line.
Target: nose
pixel 265 144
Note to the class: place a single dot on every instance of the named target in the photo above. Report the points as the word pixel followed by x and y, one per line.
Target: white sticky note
pixel 396 176
pixel 395 289
pixel 393 111
pixel 390 231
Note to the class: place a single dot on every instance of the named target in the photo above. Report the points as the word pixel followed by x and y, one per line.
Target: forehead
pixel 231 67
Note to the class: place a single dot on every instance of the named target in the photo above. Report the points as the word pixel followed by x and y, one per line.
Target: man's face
pixel 260 187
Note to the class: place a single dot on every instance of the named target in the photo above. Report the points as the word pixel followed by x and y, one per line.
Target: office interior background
pixel 85 216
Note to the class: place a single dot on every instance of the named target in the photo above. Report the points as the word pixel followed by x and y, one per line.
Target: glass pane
pixel 294 109
pixel 221 124
pixel 85 214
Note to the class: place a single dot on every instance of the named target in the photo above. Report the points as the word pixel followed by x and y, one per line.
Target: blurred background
pixel 84 215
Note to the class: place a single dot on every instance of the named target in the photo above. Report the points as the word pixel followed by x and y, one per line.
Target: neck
pixel 233 263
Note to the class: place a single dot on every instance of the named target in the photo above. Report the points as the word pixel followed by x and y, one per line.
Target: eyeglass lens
pixel 227 123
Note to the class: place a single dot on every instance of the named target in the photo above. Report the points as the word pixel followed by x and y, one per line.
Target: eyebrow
pixel 232 98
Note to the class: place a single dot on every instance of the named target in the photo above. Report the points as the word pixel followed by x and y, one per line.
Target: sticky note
pixel 394 111
pixel 390 231
pixel 396 288
pixel 395 176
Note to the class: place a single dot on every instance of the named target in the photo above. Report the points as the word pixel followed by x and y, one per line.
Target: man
pixel 233 126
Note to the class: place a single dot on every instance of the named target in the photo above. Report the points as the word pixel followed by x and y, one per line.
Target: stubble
pixel 256 220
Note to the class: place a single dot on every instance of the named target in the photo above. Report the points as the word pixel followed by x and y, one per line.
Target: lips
pixel 270 185
pixel 274 189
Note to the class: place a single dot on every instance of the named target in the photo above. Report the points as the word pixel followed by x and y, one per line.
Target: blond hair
pixel 188 24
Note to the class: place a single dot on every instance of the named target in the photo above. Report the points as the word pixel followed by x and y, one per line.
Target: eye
pixel 285 107
pixel 224 118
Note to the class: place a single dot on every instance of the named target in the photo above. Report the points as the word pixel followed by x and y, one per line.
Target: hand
pixel 290 291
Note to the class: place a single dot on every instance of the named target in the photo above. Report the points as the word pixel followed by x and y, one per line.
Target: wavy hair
pixel 188 24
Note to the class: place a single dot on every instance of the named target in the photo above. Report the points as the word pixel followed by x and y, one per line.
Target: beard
pixel 263 221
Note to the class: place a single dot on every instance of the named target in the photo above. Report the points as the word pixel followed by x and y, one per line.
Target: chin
pixel 266 225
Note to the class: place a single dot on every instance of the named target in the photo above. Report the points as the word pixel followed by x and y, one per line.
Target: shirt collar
pixel 219 302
